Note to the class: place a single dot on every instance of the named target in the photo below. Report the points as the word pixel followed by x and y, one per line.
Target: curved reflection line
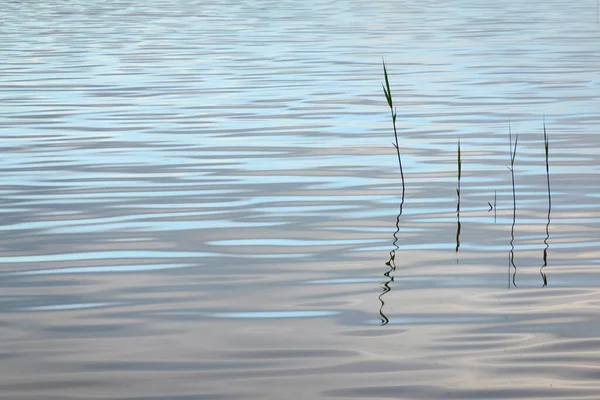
pixel 545 253
pixel 385 288
pixel 386 285
pixel 511 252
pixel 457 236
pixel 458 204
pixel 511 262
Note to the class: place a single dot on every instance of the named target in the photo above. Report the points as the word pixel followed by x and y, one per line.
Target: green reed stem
pixel 458 187
pixel 513 155
pixel 547 167
pixel 388 96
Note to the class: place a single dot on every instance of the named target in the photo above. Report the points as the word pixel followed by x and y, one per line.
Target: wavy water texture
pixel 197 199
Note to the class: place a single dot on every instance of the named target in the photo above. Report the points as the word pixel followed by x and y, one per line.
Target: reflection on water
pixel 196 196
pixel 391 263
pixel 511 258
pixel 545 254
pixel 458 203
pixel 457 236
pixel 385 288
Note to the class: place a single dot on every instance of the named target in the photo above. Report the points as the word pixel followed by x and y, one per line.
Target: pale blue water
pixel 198 200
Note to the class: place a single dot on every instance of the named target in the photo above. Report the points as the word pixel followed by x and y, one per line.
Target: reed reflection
pixel 457 236
pixel 386 287
pixel 545 253
pixel 458 203
pixel 391 263
pixel 511 253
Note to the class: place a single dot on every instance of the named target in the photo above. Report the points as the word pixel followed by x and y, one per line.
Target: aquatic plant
pixel 458 200
pixel 458 186
pixel 391 263
pixel 547 168
pixel 511 253
pixel 388 96
pixel 513 155
pixel 545 253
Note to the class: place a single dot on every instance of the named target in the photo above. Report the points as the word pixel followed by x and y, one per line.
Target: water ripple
pixel 198 199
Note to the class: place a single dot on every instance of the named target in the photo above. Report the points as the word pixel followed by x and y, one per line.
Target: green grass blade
pixel 387 96
pixel 388 92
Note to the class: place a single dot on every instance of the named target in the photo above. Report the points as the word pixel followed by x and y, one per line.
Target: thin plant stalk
pixel 458 187
pixel 459 162
pixel 391 262
pixel 547 168
pixel 388 96
pixel 513 154
pixel 545 253
pixel 511 254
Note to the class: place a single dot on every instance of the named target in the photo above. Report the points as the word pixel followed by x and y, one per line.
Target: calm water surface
pixel 198 200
